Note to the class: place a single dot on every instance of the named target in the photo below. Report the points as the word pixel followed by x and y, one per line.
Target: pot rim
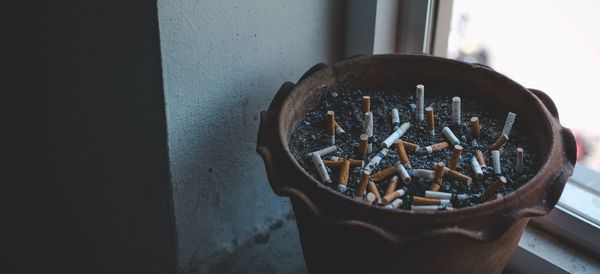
pixel 551 125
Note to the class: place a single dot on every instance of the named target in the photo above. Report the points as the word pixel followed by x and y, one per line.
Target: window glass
pixel 550 45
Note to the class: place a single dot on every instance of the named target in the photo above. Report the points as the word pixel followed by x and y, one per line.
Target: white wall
pixel 222 63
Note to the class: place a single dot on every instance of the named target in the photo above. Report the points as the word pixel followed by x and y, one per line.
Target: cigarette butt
pixel 338 129
pixel 490 191
pixel 500 142
pixel 370 198
pixel 395 135
pixel 420 104
pixel 433 148
pixel 335 162
pixel 496 162
pixel 475 127
pixel 324 151
pixel 376 159
pixel 430 207
pixel 418 200
pixel 439 177
pixel 331 126
pixel 450 136
pixel 422 173
pixel 394 204
pixel 403 173
pixel 395 118
pixel 480 158
pixel 430 120
pixel 364 146
pixel 476 168
pixel 383 174
pixel 344 172
pixel 362 185
pixel 366 104
pixel 392 196
pixel 316 158
pixel 456 110
pixel 402 153
pixel 508 124
pixel 456 152
pixel 458 176
pixel 368 129
pixel 519 164
pixel 444 195
pixel 373 188
pixel 392 185
pixel 410 146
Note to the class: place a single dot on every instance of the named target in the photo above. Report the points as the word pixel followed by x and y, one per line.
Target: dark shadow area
pixel 91 192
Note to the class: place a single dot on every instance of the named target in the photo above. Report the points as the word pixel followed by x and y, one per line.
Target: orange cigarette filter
pixel 339 163
pixel 392 185
pixel 439 177
pixel 402 152
pixel 476 128
pixel 373 188
pixel 344 172
pixel 455 156
pixel 459 176
pixel 390 197
pixel 410 146
pixel 383 174
pixel 439 147
pixel 418 200
pixel 362 185
pixel 500 142
pixel 490 191
pixel 366 104
pixel 480 159
pixel 430 118
pixel 364 145
pixel 330 123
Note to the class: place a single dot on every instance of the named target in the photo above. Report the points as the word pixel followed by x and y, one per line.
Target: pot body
pixel 341 235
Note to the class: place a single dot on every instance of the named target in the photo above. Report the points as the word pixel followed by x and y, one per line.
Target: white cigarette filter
pixel 450 136
pixel 476 168
pixel 316 158
pixel 443 195
pixel 403 173
pixel 508 124
pixel 376 159
pixel 396 135
pixel 423 173
pixel 394 204
pixel 496 162
pixel 368 129
pixel 420 98
pixel 456 110
pixel 430 207
pixel 395 118
pixel 371 198
pixel 323 151
pixel 519 164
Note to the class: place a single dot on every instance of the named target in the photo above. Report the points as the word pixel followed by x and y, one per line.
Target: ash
pixel 310 135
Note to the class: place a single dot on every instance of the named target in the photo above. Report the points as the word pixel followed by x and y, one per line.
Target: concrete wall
pixel 222 63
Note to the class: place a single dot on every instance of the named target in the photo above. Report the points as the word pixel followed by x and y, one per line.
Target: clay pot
pixel 340 235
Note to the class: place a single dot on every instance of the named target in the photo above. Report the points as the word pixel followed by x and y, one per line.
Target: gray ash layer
pixel 310 136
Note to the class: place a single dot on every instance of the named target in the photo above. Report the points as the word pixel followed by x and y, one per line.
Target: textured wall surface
pixel 222 63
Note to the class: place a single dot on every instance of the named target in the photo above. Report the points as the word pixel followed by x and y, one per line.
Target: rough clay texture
pixel 223 61
pixel 310 136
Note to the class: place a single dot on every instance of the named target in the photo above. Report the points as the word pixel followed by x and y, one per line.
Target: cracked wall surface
pixel 222 63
